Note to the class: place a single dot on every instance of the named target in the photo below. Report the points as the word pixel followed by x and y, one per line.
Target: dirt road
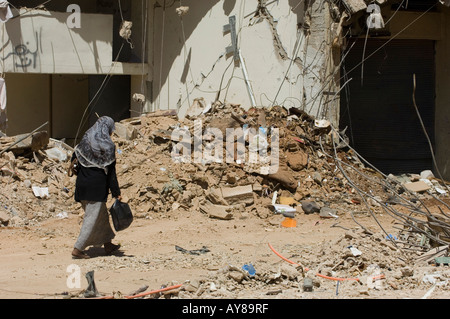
pixel 36 261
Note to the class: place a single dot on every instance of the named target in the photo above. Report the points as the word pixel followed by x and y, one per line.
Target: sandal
pixel 110 248
pixel 77 254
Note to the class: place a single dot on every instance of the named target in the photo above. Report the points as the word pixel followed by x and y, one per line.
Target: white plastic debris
pixel 355 251
pixel 62 215
pixel 56 154
pixel 284 208
pixel 40 192
pixel 427 174
pixel 322 123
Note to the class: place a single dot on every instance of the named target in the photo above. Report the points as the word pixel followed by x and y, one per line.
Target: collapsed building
pixel 356 90
pixel 353 63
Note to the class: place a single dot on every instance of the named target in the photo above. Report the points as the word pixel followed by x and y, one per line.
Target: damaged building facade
pixel 363 66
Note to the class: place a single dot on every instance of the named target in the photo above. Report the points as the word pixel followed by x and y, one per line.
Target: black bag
pixel 121 215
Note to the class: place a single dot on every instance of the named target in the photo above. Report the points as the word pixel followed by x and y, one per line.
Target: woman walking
pixel 96 177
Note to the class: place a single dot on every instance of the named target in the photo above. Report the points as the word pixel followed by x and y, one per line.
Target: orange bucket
pixel 289 222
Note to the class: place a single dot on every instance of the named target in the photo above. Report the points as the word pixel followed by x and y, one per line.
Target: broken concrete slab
pixel 238 194
pixel 417 187
pixel 354 6
pixel 217 211
pixel 22 143
pixel 214 195
pixel 126 131
pixel 326 212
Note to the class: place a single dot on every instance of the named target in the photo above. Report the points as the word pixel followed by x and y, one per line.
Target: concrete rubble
pixel 310 180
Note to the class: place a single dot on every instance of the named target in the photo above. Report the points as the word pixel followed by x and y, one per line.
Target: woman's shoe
pixel 77 254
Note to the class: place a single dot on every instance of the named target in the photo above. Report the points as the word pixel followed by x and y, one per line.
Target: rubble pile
pixel 355 261
pixel 34 182
pixel 318 173
pixel 154 182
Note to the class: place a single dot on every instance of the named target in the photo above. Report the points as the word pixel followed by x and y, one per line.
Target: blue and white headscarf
pixel 97 149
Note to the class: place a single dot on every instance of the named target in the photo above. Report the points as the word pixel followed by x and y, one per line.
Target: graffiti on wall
pixel 23 56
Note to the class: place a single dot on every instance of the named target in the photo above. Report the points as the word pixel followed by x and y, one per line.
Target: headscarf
pixel 97 149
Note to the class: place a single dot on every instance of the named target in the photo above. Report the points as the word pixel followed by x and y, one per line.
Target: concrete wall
pixel 442 123
pixel 189 59
pixel 41 42
pixel 28 103
pixel 34 99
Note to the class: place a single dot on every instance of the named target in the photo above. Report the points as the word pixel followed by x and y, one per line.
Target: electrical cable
pixel 425 131
pixel 290 65
pixel 307 269
pixel 144 293
pixel 28 10
pixel 185 57
pixel 428 232
pixel 374 52
pixel 97 94
pixel 162 52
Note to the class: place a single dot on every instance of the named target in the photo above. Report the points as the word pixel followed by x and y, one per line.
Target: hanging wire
pixel 97 94
pixel 373 53
pixel 144 42
pixel 425 131
pixel 27 10
pixel 161 53
pixel 297 49
pixel 185 57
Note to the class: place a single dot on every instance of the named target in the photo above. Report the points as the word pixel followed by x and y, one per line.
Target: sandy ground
pixel 36 261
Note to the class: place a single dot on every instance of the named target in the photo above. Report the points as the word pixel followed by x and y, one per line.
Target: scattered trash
pixel 326 212
pixel 442 261
pixel 91 290
pixel 62 215
pixel 249 269
pixel 282 209
pixel 289 222
pixel 40 192
pixel 375 277
pixel 391 237
pixel 57 153
pixel 307 284
pixel 203 250
pixel 355 251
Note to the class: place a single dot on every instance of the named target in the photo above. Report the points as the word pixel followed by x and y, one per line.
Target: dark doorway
pixel 377 104
pixel 109 96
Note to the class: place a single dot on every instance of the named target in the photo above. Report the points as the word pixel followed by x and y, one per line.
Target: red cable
pixel 306 269
pixel 144 293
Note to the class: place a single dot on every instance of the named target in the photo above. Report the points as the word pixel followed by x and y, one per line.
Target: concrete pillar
pixel 442 118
